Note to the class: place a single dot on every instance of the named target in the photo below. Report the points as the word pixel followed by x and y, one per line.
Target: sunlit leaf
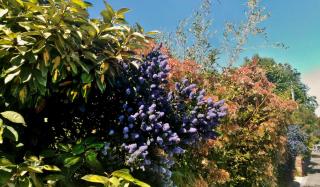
pixel 51 168
pixel 34 169
pixel 10 77
pixel 3 12
pixel 96 179
pixel 68 162
pixel 13 132
pixel 153 32
pixel 13 117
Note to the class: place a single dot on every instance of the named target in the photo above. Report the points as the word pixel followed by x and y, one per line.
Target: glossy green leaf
pixel 114 181
pixel 70 161
pixel 78 149
pixel 84 66
pixel 153 32
pixel 11 76
pixel 5 162
pixel 13 117
pixel 123 11
pixel 92 161
pixel 39 46
pixel 13 68
pixel 86 78
pixel 1 133
pixel 5 177
pixel 34 169
pixel 13 132
pixel 96 179
pixel 81 3
pixel 3 12
pixel 123 173
pixel 51 168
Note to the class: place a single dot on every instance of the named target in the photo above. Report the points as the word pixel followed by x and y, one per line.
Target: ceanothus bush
pixel 144 124
pixel 296 140
pixel 156 124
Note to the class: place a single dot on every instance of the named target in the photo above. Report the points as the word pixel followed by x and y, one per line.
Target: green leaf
pixel 123 173
pixel 3 12
pixel 108 13
pixel 39 46
pixel 153 32
pixel 139 35
pixel 13 132
pixel 5 162
pixel 78 149
pixel 101 85
pixel 123 11
pixel 70 161
pixel 26 25
pixel 6 42
pixel 86 78
pixel 10 77
pixel 81 3
pixel 140 183
pixel 73 67
pixel 115 181
pixel 5 177
pixel 13 117
pixel 63 147
pixel 34 169
pixel 90 56
pixel 3 53
pixel 84 66
pixel 96 179
pixel 51 168
pixel 114 28
pixel 25 76
pixel 13 68
pixel 96 146
pixel 1 133
pixel 42 80
pixel 92 161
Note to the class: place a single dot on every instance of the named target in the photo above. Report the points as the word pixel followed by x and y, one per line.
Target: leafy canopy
pixel 53 46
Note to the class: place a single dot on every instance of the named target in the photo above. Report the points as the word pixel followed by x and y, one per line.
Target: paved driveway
pixel 313 177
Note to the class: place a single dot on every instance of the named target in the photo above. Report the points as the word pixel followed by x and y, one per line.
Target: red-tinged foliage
pixel 252 142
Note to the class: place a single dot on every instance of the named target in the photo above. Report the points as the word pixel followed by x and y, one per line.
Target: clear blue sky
pixel 295 23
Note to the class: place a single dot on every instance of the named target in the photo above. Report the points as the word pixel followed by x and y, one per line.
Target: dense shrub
pixel 52 47
pixel 253 136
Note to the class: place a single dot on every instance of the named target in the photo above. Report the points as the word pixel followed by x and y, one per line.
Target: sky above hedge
pixel 295 23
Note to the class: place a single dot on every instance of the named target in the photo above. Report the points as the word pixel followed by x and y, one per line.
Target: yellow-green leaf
pixel 51 168
pixel 96 179
pixel 3 12
pixel 13 117
pixel 13 132
pixel 34 169
pixel 81 3
pixel 68 162
pixel 10 77
pixel 153 32
pixel 56 62
pixel 46 56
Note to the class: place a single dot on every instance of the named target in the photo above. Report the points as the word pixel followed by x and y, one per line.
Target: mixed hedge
pixel 95 102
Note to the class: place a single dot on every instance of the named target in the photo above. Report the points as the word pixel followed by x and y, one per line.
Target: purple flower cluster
pixel 296 140
pixel 153 118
